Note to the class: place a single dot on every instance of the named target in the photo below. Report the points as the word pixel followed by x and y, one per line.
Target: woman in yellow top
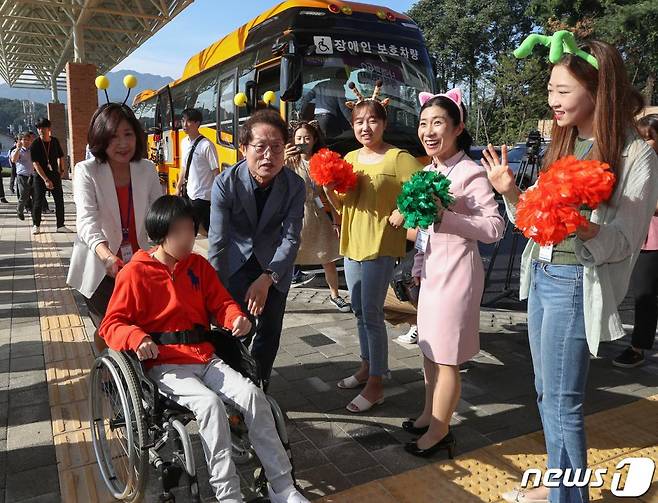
pixel 372 238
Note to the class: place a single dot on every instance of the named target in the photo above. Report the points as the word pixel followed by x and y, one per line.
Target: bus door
pixel 227 120
pixel 168 142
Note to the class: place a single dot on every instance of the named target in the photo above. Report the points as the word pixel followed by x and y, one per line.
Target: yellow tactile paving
pixel 69 417
pixel 74 449
pixel 66 344
pixel 483 474
pixel 368 492
pixel 83 485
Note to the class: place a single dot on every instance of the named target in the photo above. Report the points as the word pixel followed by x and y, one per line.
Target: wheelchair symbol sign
pixel 323 45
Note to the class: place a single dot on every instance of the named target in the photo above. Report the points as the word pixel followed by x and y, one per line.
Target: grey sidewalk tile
pixel 24 435
pixel 322 480
pixel 349 457
pixel 21 485
pixel 25 363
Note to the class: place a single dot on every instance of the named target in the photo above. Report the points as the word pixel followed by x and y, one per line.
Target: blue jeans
pixel 560 357
pixel 368 282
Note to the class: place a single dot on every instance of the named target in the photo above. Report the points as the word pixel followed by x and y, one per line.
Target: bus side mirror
pixel 290 82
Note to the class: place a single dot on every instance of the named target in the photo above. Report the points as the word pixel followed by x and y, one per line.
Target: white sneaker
pixel 290 495
pixel 411 337
pixel 63 229
pixel 36 230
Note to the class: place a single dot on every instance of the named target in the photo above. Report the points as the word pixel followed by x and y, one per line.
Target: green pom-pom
pixel 417 202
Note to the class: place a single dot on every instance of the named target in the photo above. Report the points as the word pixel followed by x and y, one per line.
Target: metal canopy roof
pixel 38 37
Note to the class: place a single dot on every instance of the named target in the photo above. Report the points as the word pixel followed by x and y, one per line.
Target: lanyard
pixel 125 225
pixel 591 145
pixel 43 144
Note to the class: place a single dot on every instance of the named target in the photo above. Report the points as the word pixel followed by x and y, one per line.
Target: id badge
pixel 546 253
pixel 422 240
pixel 318 202
pixel 126 252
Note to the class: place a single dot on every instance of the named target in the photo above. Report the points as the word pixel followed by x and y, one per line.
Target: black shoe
pixel 20 216
pixel 46 211
pixel 302 279
pixel 629 358
pixel 409 427
pixel 448 442
pixel 4 200
pixel 341 304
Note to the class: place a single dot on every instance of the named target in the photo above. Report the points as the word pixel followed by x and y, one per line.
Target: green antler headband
pixel 560 42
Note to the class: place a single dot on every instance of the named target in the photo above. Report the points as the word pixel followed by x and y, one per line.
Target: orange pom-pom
pixel 328 167
pixel 550 211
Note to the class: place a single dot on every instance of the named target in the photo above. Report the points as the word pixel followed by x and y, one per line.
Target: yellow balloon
pixel 240 99
pixel 130 81
pixel 269 97
pixel 102 82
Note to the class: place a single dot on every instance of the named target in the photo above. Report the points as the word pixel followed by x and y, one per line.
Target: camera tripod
pixel 526 175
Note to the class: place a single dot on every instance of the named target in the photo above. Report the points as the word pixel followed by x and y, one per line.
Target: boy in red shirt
pixel 171 289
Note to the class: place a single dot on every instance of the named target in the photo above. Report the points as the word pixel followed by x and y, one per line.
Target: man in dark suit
pixel 256 214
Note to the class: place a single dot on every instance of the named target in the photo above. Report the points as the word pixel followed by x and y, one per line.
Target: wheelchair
pixel 135 427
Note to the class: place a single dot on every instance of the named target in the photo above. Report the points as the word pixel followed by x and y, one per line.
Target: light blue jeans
pixel 368 282
pixel 560 357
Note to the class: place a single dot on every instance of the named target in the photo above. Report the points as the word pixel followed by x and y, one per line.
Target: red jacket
pixel 147 298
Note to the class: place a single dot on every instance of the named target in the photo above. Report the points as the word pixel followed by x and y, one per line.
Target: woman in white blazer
pixel 112 193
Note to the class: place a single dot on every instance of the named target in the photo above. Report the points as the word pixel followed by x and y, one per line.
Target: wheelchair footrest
pixel 170 475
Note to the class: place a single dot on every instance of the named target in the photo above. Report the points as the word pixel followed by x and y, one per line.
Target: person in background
pixel 644 280
pixel 319 239
pixel 47 158
pixel 112 192
pixel 12 165
pixel 22 162
pixel 200 167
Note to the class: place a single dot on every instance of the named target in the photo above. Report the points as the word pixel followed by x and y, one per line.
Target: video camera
pixel 533 144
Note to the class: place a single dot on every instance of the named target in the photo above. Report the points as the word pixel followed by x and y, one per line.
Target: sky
pixel 198 26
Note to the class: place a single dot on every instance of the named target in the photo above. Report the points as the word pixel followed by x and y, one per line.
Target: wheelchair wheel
pixel 118 427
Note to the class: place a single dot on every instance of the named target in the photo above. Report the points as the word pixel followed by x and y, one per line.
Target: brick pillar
pixel 82 99
pixel 57 116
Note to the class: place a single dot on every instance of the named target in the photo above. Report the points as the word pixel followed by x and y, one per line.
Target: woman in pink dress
pixel 449 269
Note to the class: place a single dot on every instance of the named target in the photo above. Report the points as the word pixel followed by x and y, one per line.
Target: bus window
pixel 147 117
pixel 179 99
pixel 165 110
pixel 268 80
pixel 203 96
pixel 226 111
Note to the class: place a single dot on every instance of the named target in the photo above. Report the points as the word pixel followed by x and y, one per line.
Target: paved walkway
pixel 45 356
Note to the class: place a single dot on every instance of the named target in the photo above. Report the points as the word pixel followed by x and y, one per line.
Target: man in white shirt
pixel 22 159
pixel 199 169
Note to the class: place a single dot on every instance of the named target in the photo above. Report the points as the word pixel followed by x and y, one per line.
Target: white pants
pixel 202 389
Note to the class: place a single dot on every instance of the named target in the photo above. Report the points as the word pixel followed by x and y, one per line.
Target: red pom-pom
pixel 550 211
pixel 328 167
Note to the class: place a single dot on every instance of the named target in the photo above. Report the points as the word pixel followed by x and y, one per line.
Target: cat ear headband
pixel 560 42
pixel 102 83
pixel 360 98
pixel 293 124
pixel 454 95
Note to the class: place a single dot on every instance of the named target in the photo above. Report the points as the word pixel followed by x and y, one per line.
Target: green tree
pixel 629 25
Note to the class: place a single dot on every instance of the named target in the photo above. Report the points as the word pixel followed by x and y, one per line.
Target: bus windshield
pixel 325 80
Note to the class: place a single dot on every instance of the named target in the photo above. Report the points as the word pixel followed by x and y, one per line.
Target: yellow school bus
pixel 299 55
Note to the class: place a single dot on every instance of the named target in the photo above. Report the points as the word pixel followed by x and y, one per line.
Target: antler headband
pixel 360 98
pixel 560 42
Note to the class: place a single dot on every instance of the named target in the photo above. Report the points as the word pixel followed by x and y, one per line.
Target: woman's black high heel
pixel 448 442
pixel 409 427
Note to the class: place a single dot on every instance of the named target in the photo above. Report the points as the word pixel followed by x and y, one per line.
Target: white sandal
pixel 518 495
pixel 350 382
pixel 362 404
